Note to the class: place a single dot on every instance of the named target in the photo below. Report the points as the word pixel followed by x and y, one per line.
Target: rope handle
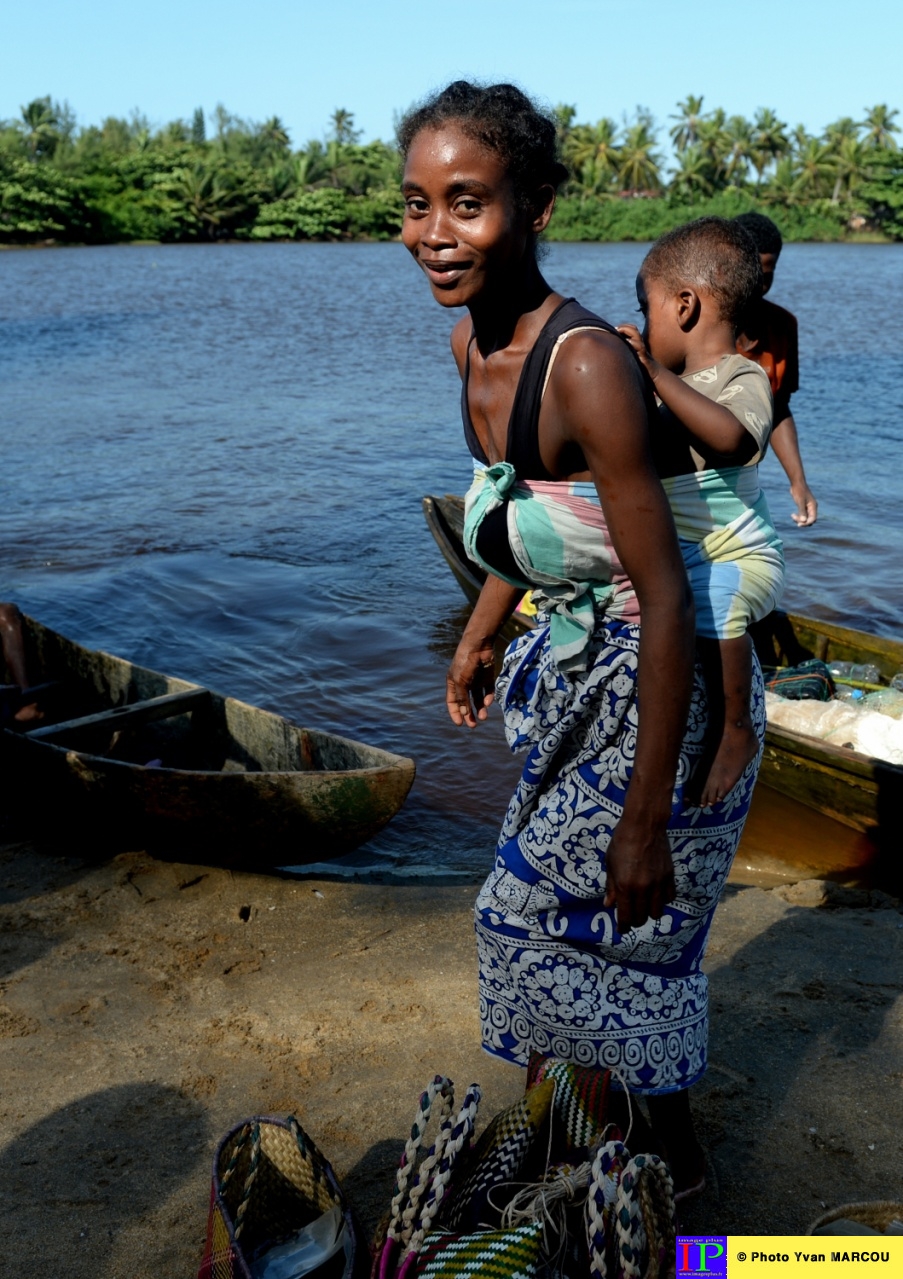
pixel 457 1137
pixel 252 1130
pixel 420 1190
pixel 439 1087
pixel 629 1209
pixel 305 1144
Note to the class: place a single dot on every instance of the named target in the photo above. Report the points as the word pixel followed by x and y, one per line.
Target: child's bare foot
pixel 738 747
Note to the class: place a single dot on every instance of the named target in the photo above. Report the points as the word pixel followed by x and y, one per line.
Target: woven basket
pixel 878 1214
pixel 269 1181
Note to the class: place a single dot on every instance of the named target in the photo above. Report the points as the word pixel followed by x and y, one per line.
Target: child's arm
pixel 785 442
pixel 713 425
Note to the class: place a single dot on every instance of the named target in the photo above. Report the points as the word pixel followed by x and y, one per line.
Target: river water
pixel 213 459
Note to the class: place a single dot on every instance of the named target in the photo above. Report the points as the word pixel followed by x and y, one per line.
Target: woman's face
pixel 461 222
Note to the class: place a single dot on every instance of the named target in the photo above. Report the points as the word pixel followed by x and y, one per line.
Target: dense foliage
pixel 123 180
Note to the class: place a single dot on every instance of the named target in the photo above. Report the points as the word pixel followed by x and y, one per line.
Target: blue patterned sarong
pixel 555 975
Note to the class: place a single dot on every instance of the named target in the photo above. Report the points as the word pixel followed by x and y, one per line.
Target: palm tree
pixel 715 144
pixel 783 188
pixel 639 166
pixel 593 154
pixel 206 198
pixel 41 122
pixel 845 127
pixel 693 176
pixel 273 134
pixel 738 137
pixel 851 167
pixel 800 138
pixel 769 141
pixel 563 115
pixel 343 130
pixel 815 167
pixel 686 132
pixel 880 128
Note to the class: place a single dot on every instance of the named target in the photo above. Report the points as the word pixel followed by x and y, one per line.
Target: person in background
pixel 768 335
pixel 12 646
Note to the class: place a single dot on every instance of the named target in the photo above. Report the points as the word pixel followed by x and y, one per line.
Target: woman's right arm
pixel 470 683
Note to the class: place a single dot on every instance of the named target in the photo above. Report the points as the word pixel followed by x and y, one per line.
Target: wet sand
pixel 146 1006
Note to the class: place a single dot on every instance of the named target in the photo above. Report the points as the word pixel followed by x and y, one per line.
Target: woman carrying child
pixel 592 925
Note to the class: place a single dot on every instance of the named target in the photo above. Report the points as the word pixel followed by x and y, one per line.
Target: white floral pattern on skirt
pixel 555 975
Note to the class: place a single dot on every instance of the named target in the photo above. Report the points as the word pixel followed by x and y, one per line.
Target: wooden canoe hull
pixel 863 793
pixel 237 784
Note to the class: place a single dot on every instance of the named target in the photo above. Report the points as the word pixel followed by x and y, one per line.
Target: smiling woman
pixel 592 926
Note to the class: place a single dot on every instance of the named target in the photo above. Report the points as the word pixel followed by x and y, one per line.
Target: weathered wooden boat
pixel 863 793
pixel 128 754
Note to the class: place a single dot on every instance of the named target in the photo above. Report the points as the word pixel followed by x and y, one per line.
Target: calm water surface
pixel 213 459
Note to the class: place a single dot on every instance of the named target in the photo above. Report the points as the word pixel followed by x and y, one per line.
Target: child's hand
pixel 637 344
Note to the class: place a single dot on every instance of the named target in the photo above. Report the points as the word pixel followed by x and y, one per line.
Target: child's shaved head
pixel 711 254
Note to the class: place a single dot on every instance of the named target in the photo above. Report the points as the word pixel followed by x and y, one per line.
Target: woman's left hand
pixel 470 683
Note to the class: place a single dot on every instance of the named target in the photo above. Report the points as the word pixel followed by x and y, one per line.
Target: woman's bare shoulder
pixel 594 356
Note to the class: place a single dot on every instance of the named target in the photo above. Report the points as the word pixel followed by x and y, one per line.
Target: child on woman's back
pixel 715 419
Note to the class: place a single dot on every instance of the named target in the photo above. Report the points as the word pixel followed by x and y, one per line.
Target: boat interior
pixel 101 705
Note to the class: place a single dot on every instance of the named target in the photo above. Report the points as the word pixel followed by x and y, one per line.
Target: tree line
pixel 224 177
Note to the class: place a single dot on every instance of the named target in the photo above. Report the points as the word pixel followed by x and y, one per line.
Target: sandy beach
pixel 147 1006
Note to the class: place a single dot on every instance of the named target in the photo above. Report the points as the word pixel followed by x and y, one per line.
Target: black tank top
pixel 522 447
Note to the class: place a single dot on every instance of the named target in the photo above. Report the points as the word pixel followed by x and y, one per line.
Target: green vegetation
pixel 224 177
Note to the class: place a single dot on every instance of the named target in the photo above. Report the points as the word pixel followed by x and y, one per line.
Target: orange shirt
pixel 769 336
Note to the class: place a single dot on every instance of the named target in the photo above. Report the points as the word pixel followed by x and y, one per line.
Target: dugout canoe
pixel 147 760
pixel 863 793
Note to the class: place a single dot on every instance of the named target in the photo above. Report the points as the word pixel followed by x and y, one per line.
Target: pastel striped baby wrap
pixel 733 556
pixel 560 542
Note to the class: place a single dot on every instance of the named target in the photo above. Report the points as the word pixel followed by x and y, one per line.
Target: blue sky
pixel 810 61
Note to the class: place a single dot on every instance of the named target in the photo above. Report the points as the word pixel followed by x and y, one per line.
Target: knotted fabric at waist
pixel 560 544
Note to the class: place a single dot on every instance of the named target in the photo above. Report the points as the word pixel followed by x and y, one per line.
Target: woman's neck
pixel 502 320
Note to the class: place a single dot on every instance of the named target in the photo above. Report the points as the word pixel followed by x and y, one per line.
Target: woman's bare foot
pixel 739 745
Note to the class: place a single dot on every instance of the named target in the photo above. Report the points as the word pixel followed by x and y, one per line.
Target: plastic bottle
pixel 889 701
pixel 859 672
pixel 846 693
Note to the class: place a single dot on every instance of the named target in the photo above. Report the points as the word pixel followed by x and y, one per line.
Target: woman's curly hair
pixel 503 119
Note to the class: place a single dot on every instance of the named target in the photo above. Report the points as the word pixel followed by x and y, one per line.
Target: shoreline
pixel 147 1006
pixel 856 237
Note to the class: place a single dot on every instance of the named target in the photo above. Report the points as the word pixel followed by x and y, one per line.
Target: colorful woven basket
pixel 269 1182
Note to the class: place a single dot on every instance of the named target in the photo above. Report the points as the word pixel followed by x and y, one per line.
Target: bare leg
pixel 727 665
pixel 13 647
pixel 672 1123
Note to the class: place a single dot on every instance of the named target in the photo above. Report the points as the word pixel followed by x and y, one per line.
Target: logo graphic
pixel 701 1257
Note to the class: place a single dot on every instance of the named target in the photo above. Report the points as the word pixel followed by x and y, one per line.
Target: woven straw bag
pixel 269 1182
pixel 609 1216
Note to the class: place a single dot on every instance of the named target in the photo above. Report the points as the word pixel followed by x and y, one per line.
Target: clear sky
pixel 811 60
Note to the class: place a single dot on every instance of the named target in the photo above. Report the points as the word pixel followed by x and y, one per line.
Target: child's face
pixel 769 262
pixel 664 337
